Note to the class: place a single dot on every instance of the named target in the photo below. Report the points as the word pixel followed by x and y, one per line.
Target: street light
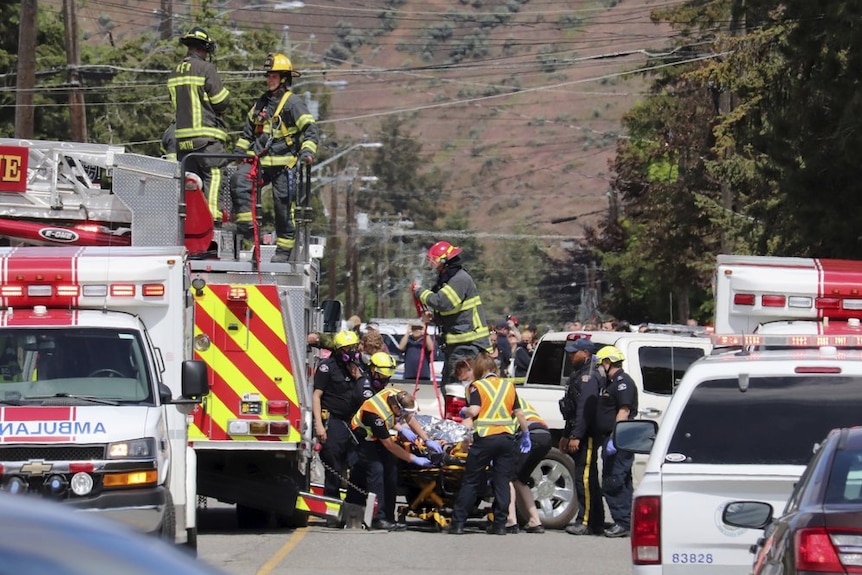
pixel 291 5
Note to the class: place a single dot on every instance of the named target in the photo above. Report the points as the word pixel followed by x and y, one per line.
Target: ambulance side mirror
pixel 195 384
pixel 332 312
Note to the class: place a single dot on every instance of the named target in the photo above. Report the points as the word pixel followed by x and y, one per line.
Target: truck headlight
pixel 136 448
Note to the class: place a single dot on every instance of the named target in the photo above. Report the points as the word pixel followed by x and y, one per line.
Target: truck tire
pixel 191 546
pixel 553 487
pixel 292 521
pixel 250 517
pixel 167 531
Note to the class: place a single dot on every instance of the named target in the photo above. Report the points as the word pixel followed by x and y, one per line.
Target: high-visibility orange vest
pixel 497 396
pixel 378 405
pixel 530 412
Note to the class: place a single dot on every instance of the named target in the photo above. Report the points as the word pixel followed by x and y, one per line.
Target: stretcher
pixel 430 492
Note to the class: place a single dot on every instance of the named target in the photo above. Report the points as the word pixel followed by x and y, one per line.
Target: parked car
pixel 39 536
pixel 820 529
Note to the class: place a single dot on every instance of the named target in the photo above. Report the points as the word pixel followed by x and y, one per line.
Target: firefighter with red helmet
pixel 455 306
pixel 281 131
pixel 199 100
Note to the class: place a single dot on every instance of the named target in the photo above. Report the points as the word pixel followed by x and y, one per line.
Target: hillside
pixel 518 101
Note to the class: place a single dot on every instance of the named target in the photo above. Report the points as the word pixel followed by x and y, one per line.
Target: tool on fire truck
pixel 423 312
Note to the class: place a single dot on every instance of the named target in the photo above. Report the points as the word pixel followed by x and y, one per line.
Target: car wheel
pixel 168 528
pixel 553 488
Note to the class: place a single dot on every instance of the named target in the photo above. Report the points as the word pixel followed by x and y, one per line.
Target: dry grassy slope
pixel 522 158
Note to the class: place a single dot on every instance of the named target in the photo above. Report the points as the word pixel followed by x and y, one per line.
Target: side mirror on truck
pixel 195 382
pixel 635 435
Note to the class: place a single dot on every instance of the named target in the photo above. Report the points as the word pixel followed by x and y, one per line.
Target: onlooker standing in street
pixel 524 352
pixel 200 99
pixel 580 439
pixel 504 346
pixel 455 306
pixel 618 401
pixel 418 348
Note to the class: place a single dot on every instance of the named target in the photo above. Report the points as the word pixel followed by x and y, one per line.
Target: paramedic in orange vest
pixel 493 407
pixel 525 463
pixel 377 466
pixel 282 132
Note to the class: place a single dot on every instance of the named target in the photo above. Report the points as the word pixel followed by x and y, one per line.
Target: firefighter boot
pixel 281 256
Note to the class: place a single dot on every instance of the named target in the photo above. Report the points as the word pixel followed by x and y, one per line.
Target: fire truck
pixel 250 438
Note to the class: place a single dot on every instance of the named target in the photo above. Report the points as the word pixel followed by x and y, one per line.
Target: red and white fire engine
pixel 251 436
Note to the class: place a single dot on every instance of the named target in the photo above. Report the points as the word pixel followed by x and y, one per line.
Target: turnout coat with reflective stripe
pixel 458 311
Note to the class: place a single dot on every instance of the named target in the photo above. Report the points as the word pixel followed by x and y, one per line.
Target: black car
pixel 820 529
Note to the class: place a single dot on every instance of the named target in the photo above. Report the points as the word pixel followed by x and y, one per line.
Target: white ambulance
pixel 96 381
pixel 743 422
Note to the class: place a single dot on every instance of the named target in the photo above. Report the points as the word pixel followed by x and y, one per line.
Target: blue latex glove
pixel 526 443
pixel 408 434
pixel 463 413
pixel 420 461
pixel 434 446
pixel 610 448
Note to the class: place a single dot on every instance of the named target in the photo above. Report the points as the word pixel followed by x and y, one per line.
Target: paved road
pixel 317 550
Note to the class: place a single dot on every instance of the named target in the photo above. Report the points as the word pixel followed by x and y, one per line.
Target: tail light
pixel 646 530
pixel 828 550
pixel 453 405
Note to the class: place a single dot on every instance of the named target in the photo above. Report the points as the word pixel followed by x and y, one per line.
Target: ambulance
pixel 745 420
pixel 96 380
pixel 243 318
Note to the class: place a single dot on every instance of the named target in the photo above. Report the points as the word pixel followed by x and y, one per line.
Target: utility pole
pixel 350 251
pixel 77 107
pixel 333 239
pixel 26 82
pixel 166 24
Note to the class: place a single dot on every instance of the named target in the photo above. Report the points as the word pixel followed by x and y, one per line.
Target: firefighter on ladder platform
pixel 454 304
pixel 282 133
pixel 200 100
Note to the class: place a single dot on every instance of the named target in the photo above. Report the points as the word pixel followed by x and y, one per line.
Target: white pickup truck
pixel 656 362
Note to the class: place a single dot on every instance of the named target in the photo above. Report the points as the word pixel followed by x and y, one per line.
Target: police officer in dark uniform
pixel 333 407
pixel 580 439
pixel 618 401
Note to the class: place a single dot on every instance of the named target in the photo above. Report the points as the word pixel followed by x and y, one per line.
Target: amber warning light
pixel 13 169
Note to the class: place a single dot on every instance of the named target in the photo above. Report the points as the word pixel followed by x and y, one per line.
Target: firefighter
pixel 199 100
pixel 618 401
pixel 493 406
pixel 376 375
pixel 333 406
pixel 377 465
pixel 282 132
pixel 455 306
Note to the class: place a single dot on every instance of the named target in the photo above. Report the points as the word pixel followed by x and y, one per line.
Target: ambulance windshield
pixel 103 364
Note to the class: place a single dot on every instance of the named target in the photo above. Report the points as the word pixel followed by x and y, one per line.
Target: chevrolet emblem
pixel 36 467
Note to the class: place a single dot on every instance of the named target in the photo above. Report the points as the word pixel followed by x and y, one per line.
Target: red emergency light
pixel 782 340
